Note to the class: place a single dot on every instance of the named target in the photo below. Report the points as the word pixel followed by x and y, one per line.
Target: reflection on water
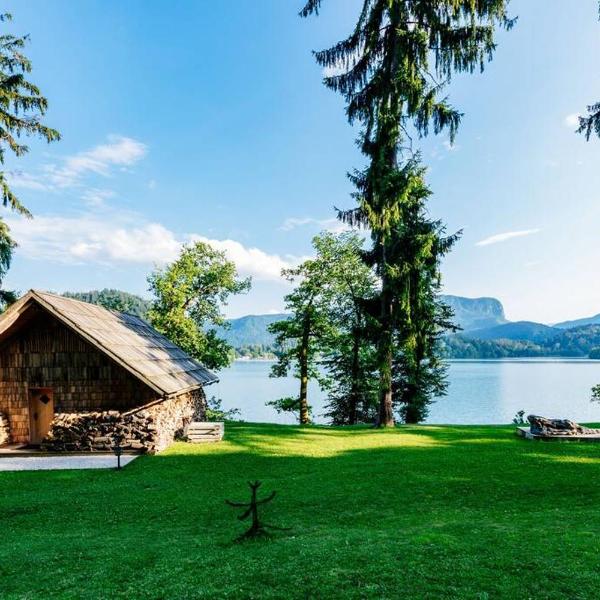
pixel 489 391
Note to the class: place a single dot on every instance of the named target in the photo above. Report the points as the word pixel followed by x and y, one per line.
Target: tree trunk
pixel 304 418
pixel 386 412
pixel 355 377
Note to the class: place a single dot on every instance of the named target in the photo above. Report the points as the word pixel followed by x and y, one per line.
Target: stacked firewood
pixel 98 432
pixel 4 429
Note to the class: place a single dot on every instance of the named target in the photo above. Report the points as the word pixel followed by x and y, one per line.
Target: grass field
pixel 417 512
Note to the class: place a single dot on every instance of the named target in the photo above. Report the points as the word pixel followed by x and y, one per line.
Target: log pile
pixel 97 432
pixel 4 429
pixel 149 429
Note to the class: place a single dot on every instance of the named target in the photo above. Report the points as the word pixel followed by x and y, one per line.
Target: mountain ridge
pixel 470 313
pixel 485 330
pixel 594 320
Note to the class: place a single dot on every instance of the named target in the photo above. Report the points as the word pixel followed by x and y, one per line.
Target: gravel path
pixel 52 463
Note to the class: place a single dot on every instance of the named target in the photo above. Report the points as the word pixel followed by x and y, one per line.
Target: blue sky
pixel 208 120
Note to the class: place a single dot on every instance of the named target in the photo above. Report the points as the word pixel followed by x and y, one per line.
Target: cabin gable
pixel 45 354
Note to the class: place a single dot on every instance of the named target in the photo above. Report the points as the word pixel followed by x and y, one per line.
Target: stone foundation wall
pixel 148 430
pixel 4 430
pixel 172 416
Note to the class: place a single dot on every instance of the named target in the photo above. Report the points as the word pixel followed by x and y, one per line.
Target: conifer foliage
pixel 392 70
pixel 22 107
pixel 591 122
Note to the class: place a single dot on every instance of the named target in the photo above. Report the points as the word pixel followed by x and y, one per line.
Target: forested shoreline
pixel 579 342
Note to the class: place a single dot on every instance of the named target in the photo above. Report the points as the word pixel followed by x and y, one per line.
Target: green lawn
pixel 417 512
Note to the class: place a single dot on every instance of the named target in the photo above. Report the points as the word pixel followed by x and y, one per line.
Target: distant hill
pixel 114 300
pixel 595 320
pixel 476 313
pixel 470 313
pixel 519 330
pixel 578 342
pixel 250 330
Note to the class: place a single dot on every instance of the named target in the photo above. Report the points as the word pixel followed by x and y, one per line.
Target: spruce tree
pixel 392 70
pixel 591 122
pixel 418 372
pixel 21 108
pixel 7 245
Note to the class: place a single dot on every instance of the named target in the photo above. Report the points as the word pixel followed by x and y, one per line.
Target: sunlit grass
pixel 415 512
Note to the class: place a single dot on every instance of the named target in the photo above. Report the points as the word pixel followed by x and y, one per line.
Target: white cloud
pixel 108 237
pixel 119 151
pixel 251 261
pixel 96 197
pixel 332 225
pixel 503 237
pixel 93 238
pixel 21 179
pixel 572 120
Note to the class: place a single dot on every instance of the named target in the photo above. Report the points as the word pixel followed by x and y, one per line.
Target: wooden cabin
pixel 64 361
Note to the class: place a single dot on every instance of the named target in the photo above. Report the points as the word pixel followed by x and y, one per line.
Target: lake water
pixel 483 391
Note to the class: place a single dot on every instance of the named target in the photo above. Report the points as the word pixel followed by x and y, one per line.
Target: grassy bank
pixel 418 512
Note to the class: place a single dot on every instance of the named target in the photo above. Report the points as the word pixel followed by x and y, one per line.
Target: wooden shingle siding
pixel 47 354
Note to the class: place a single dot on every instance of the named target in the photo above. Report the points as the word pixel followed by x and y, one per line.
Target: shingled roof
pixel 127 339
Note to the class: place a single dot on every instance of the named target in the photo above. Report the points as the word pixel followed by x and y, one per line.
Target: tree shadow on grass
pixel 399 508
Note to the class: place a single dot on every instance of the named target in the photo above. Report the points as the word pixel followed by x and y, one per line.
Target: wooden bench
pixel 199 432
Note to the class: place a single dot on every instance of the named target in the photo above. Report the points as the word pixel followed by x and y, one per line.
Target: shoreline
pixel 513 359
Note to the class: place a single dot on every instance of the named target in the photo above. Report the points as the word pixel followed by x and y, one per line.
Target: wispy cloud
pixel 96 197
pixel 333 225
pixel 572 120
pixel 28 181
pixel 102 235
pixel 503 237
pixel 119 151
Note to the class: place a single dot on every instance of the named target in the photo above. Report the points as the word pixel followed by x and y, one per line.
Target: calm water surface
pixel 485 391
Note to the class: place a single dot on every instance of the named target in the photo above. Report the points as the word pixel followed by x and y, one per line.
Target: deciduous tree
pixel 300 338
pixel 348 354
pixel 189 296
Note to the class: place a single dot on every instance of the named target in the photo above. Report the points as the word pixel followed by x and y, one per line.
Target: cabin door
pixel 41 413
